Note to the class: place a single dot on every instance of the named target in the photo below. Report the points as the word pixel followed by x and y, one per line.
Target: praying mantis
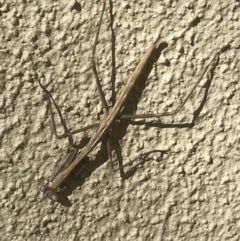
pixel 103 128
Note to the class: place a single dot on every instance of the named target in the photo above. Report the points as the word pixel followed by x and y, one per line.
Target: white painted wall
pixel 190 193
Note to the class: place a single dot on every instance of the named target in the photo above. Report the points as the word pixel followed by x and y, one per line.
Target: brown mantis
pixel 71 160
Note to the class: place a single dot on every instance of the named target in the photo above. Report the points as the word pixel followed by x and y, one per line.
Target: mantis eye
pixel 49 192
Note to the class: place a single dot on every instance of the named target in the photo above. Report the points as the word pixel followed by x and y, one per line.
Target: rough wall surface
pixel 192 192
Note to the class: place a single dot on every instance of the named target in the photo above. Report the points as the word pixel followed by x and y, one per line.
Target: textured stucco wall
pixel 190 193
